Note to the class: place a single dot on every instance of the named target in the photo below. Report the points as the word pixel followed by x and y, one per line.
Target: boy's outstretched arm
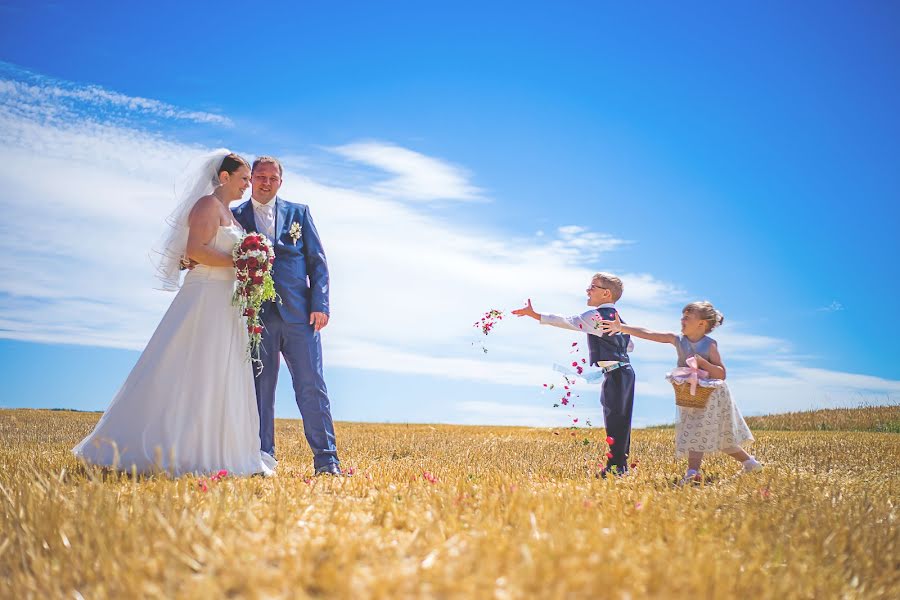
pixel 616 326
pixel 577 323
pixel 527 311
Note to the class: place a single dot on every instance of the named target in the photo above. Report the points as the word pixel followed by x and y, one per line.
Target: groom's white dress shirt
pixel 265 218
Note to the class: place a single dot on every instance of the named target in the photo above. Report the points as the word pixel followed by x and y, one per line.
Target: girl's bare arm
pixel 616 326
pixel 714 366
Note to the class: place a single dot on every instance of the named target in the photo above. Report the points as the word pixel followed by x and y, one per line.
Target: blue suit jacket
pixel 300 270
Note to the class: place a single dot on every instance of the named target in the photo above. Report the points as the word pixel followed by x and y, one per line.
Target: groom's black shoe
pixel 330 469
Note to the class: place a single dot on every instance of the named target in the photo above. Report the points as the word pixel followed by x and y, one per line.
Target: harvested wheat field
pixel 459 512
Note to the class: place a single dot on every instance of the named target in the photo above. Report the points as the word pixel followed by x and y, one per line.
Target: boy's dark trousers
pixel 617 399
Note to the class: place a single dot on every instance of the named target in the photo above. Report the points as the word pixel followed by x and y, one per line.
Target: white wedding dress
pixel 189 404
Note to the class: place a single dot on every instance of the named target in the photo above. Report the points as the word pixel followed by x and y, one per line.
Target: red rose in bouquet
pixel 253 258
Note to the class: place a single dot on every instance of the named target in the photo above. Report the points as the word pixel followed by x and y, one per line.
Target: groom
pixel 292 326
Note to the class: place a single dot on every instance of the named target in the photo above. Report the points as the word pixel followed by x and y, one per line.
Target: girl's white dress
pixel 719 426
pixel 189 404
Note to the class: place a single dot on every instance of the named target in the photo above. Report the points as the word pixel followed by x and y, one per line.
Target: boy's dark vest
pixel 608 347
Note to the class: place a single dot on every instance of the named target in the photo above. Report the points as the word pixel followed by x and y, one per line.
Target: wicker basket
pixel 698 400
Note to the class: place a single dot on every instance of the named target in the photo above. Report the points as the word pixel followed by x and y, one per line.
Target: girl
pixel 718 426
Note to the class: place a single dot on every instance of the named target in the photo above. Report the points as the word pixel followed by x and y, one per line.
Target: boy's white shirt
pixel 584 323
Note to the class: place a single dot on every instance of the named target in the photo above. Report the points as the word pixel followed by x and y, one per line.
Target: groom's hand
pixel 187 263
pixel 318 320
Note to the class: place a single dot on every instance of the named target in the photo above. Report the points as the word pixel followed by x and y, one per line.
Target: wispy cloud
pixel 835 306
pixel 414 176
pixel 86 199
pixel 579 243
pixel 40 97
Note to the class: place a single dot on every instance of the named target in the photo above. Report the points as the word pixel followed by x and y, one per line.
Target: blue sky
pixel 461 158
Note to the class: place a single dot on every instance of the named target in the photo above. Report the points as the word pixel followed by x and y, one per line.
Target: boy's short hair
pixel 611 283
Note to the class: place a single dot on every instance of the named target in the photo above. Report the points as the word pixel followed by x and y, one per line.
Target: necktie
pixel 268 219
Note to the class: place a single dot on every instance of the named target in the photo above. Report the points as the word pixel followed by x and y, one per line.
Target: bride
pixel 189 404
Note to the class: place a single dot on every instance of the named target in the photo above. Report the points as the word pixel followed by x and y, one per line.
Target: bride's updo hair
pixel 232 163
pixel 705 311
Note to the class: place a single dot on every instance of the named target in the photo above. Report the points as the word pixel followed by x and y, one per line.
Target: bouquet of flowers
pixel 253 260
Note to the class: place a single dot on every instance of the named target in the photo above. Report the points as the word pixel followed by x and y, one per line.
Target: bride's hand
pixel 611 327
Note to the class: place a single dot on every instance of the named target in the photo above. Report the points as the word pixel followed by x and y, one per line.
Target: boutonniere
pixel 295 231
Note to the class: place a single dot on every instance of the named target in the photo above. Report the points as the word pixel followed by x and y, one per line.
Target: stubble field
pixel 460 512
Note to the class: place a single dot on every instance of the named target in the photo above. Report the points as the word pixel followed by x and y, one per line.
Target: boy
pixel 610 353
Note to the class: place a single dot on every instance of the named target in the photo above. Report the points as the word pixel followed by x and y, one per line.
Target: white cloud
pixel 835 306
pixel 775 387
pixel 486 411
pixel 414 176
pixel 86 199
pixel 37 96
pixel 578 243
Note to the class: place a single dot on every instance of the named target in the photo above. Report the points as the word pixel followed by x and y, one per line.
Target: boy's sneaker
pixel 613 472
pixel 751 465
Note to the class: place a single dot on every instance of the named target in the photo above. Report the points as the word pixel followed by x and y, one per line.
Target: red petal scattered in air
pixel 574 363
pixel 610 440
pixel 574 344
pixel 609 455
pixel 575 420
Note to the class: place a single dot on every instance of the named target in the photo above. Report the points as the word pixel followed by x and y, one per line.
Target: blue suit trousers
pixel 301 347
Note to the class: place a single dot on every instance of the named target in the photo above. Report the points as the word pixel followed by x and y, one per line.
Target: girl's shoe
pixel 692 477
pixel 751 465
